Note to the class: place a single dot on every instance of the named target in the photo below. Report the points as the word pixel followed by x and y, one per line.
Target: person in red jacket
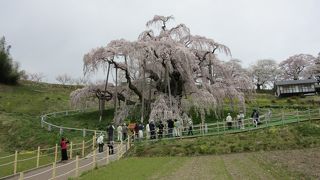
pixel 64 147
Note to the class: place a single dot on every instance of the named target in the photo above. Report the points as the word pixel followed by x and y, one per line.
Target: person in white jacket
pixel 147 131
pixel 100 142
pixel 229 121
pixel 119 130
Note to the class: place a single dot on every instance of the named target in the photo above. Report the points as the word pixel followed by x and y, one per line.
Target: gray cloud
pixel 52 36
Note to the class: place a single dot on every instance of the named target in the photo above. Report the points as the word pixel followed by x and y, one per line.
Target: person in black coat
pixel 170 127
pixel 152 130
pixel 160 126
pixel 110 131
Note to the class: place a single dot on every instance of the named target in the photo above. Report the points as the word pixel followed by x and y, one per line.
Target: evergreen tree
pixel 8 69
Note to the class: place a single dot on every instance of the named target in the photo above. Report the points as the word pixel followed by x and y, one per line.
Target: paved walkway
pixel 64 170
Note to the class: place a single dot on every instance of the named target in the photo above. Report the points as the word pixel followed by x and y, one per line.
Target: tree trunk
pixel 258 87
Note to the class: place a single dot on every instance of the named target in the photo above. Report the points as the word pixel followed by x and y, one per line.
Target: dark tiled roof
pixel 289 82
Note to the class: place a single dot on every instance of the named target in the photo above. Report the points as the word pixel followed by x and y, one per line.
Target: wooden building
pixel 296 87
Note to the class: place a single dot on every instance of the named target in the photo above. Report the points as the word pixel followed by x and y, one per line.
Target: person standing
pixel 110 147
pixel 160 126
pixel 170 127
pixel 241 120
pixel 255 117
pixel 124 131
pixel 229 121
pixel 140 127
pixel 152 129
pixel 177 125
pixel 147 131
pixel 110 130
pixel 190 127
pixel 119 130
pixel 100 142
pixel 64 147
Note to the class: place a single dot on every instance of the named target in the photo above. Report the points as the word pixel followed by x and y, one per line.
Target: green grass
pixel 230 166
pixel 300 135
pixel 20 110
pixel 88 120
pixel 137 168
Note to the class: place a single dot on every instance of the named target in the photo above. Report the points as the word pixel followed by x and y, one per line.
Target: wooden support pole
pixel 77 166
pixel 15 162
pixel 107 156
pixel 56 153
pixel 53 170
pixel 118 152
pixel 38 156
pixel 21 176
pixel 298 118
pixel 84 132
pixel 82 148
pixel 94 159
pixel 93 142
pixel 218 126
pixel 71 150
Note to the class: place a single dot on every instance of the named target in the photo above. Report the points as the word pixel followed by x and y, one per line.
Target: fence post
pixel 66 113
pixel 61 131
pixel 53 170
pixel 42 123
pixel 93 142
pixel 82 148
pixel 206 128
pixel 71 149
pixel 49 127
pixel 84 132
pixel 218 127
pixel 56 153
pixel 118 152
pixel 107 156
pixel 298 118
pixel 38 156
pixel 94 159
pixel 77 166
pixel 21 176
pixel 15 162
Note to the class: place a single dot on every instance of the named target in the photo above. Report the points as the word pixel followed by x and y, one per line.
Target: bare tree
pixel 36 77
pixel 294 66
pixel 264 72
pixel 166 73
pixel 64 79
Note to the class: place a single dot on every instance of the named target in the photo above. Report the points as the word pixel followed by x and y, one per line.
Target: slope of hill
pixel 20 108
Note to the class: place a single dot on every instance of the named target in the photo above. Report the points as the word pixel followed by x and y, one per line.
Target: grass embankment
pixel 20 110
pixel 299 135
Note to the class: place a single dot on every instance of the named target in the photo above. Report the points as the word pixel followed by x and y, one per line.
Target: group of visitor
pixel 240 119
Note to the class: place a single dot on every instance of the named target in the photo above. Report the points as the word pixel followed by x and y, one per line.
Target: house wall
pixel 294 89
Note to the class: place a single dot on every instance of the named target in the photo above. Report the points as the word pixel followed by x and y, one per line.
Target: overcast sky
pixel 51 37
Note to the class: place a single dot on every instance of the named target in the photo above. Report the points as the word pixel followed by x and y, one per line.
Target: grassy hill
pixel 20 108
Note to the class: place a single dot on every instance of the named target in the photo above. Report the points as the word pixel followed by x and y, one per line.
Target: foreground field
pixel 290 164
